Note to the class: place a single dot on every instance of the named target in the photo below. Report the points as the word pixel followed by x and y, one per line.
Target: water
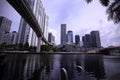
pixel 59 67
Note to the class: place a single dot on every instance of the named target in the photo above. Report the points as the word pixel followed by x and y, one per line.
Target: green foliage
pixel 21 46
pixel 32 49
pixel 104 2
pixel 49 48
pixel 45 48
pixel 3 45
pixel 26 45
pixel 88 1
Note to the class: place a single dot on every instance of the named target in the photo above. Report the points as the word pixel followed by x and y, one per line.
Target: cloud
pixel 81 18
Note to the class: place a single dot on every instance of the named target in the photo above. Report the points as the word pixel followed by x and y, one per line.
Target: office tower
pixel 14 37
pixel 77 39
pixel 87 41
pixel 25 33
pixel 51 38
pixel 95 36
pixel 22 32
pixel 6 38
pixel 5 25
pixel 63 34
pixel 24 28
pixel 70 37
pixel 45 28
pixel 83 40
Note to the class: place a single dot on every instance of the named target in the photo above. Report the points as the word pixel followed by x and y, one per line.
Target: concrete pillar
pixel 39 44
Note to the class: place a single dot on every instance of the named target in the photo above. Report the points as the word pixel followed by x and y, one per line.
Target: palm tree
pixel 113 9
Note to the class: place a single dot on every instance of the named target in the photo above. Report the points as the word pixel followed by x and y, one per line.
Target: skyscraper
pixel 14 37
pixel 5 25
pixel 51 38
pixel 70 37
pixel 87 41
pixel 25 33
pixel 63 34
pixel 24 28
pixel 77 39
pixel 95 36
pixel 92 40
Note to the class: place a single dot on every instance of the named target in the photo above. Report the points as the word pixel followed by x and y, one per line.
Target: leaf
pixel 88 1
pixel 104 2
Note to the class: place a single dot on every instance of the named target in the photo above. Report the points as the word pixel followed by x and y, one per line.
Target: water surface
pixel 59 67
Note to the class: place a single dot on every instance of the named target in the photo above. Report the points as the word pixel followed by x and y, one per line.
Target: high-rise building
pixel 25 33
pixel 87 41
pixel 92 40
pixel 77 39
pixel 14 37
pixel 70 37
pixel 51 38
pixel 95 36
pixel 5 25
pixel 84 41
pixel 6 38
pixel 46 26
pixel 24 28
pixel 63 34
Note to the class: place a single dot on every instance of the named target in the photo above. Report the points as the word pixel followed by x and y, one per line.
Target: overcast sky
pixel 79 16
pixel 7 11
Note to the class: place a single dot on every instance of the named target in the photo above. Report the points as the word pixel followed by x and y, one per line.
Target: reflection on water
pixel 59 67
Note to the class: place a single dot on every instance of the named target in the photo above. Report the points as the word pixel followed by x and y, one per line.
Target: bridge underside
pixel 24 10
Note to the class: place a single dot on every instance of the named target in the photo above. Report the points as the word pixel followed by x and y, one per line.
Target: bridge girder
pixel 24 10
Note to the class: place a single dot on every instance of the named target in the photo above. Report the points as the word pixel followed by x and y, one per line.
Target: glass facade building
pixel 70 37
pixel 63 34
pixel 51 38
pixel 95 36
pixel 92 40
pixel 77 39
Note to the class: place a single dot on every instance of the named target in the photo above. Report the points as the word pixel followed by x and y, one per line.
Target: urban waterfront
pixel 59 67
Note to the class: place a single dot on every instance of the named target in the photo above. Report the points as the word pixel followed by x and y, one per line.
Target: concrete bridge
pixel 22 7
pixel 107 50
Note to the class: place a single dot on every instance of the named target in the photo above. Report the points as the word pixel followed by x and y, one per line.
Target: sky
pixel 9 12
pixel 80 17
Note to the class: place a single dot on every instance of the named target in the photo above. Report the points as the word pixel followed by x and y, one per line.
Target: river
pixel 59 67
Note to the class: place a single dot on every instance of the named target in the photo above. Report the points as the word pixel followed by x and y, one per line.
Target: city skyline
pixel 82 18
pixel 79 21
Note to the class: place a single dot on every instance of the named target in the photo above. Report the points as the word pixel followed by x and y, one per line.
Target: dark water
pixel 59 67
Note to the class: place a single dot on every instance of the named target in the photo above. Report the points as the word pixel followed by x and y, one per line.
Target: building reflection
pixel 58 67
pixel 94 65
pixel 68 63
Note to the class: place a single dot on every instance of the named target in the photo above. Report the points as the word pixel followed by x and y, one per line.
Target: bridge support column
pixel 39 44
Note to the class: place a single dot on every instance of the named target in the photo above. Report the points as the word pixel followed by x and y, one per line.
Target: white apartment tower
pixel 25 33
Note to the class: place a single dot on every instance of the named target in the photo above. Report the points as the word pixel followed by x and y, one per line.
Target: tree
pixel 45 48
pixel 21 46
pixel 3 46
pixel 49 48
pixel 26 46
pixel 32 49
pixel 113 9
